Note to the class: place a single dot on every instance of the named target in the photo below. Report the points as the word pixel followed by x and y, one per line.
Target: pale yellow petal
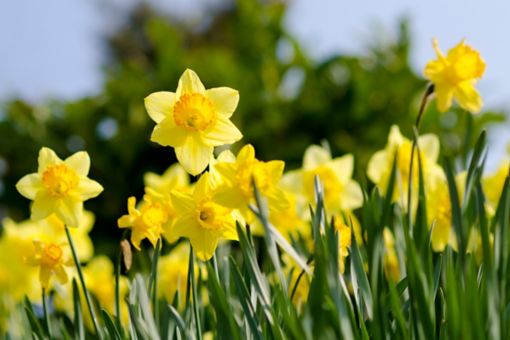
pixel 88 189
pixel 79 162
pixel 47 157
pixel 194 155
pixel 222 132
pixel 395 137
pixel 70 212
pixel 352 196
pixel 160 105
pixel 44 205
pixel 202 187
pixel 314 156
pixel 378 165
pixel 224 99
pixel 29 185
pixel 189 83
pixel 429 146
pixel 166 133
pixel 343 167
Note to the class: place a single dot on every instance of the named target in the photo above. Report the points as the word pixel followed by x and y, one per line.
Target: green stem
pixel 153 281
pixel 194 295
pixel 83 286
pixel 46 316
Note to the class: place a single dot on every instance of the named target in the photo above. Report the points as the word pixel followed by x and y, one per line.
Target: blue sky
pixel 53 48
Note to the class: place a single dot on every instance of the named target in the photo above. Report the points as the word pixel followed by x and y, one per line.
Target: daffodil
pixel 193 120
pixel 146 222
pixel 381 163
pixel 344 241
pixel 455 76
pixel 51 258
pixel 173 273
pixel 236 191
pixel 341 192
pixel 202 220
pixel 290 221
pixel 493 186
pixel 59 187
pixel 390 259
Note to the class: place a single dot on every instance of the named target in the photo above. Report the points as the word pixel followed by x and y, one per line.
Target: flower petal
pixel 343 167
pixel 189 83
pixel 70 211
pixel 315 155
pixel 166 133
pixel 88 188
pixel 444 96
pixel 204 243
pixel 468 97
pixel 29 185
pixel 79 162
pixel 47 157
pixel 352 197
pixel 44 205
pixel 429 146
pixel 160 105
pixel 194 155
pixel 223 132
pixel 182 202
pixel 224 99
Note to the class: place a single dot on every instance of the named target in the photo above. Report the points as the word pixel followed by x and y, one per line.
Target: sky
pixel 53 49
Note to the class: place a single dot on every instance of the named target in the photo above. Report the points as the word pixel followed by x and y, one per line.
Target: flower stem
pixel 83 286
pixel 194 295
pixel 153 282
pixel 117 288
pixel 46 316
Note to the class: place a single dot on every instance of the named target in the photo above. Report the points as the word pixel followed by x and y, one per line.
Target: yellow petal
pixel 185 225
pixel 395 137
pixel 343 167
pixel 44 276
pixel 315 156
pixel 189 83
pixel 224 99
pixel 429 146
pixel 377 166
pixel 202 187
pixel 79 162
pixel 61 274
pixel 468 97
pixel 444 97
pixel 182 202
pixel 246 154
pixel 70 212
pixel 125 221
pixel 439 237
pixel 136 238
pixel 229 197
pixel 352 196
pixel 166 133
pixel 44 205
pixel 194 155
pixel 29 185
pixel 88 189
pixel 47 157
pixel 204 243
pixel 160 105
pixel 223 132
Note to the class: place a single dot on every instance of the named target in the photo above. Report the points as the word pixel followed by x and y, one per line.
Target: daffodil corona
pixel 455 76
pixel 59 187
pixel 193 120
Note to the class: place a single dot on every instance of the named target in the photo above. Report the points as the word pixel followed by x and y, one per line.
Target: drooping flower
pixel 341 192
pixel 455 76
pixel 381 163
pixel 51 259
pixel 148 221
pixel 193 120
pixel 59 187
pixel 236 191
pixel 202 220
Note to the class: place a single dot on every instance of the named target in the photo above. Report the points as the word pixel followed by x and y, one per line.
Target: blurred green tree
pixel 288 101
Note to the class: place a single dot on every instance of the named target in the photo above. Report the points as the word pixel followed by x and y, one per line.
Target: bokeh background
pixel 73 75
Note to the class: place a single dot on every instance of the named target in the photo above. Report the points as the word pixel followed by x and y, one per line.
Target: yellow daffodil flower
pixel 59 187
pixel 202 220
pixel 51 259
pixel 193 120
pixel 341 192
pixel 390 259
pixel 344 241
pixel 237 190
pixel 173 273
pixel 493 186
pixel 380 164
pixel 455 76
pixel 146 222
